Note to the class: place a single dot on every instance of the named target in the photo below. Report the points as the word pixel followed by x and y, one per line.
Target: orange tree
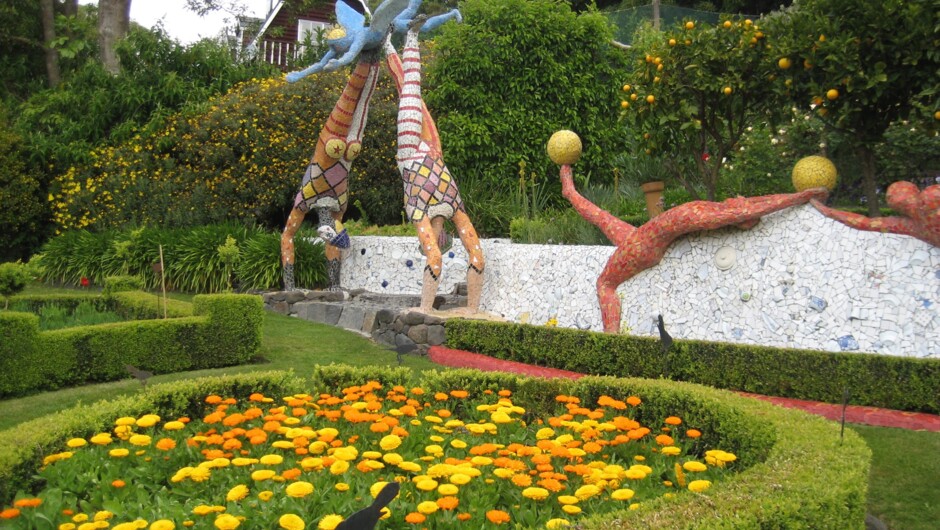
pixel 693 92
pixel 862 65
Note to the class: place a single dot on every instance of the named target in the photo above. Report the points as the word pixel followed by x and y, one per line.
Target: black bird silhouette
pixel 402 349
pixel 140 375
pixel 664 338
pixel 366 518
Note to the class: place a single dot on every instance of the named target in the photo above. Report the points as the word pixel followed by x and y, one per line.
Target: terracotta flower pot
pixel 654 194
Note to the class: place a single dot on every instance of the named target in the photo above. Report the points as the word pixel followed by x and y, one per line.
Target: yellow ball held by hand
pixel 814 172
pixel 564 147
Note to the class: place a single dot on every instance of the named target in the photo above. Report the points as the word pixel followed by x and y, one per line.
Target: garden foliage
pixel 191 257
pixel 224 330
pixel 900 383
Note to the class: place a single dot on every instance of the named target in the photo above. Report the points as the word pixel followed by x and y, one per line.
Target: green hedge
pixel 223 330
pixel 901 383
pixel 138 305
pixel 23 448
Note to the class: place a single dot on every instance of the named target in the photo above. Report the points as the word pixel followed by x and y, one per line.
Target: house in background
pixel 279 38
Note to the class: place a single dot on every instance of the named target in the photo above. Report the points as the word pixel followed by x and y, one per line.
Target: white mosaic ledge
pixel 797 279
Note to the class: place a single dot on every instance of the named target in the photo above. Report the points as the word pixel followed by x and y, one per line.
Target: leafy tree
pixel 695 90
pixel 513 73
pixel 862 65
pixel 23 212
pixel 114 18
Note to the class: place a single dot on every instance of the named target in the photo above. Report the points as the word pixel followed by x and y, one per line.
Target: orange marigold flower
pixel 166 444
pixel 118 483
pixel 463 516
pixel 415 518
pixel 497 516
pixel 379 427
pixel 256 397
pixel 291 474
pixel 693 433
pixel 447 503
pixel 9 513
pixel 28 503
pixel 634 401
pixel 664 439
pixel 551 485
pixel 523 481
pixel 673 420
pixel 440 396
pixel 417 391
pixel 504 393
pixel 459 394
pixel 444 413
pixel 213 399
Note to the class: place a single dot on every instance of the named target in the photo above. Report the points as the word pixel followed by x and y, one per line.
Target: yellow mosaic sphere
pixel 814 172
pixel 564 147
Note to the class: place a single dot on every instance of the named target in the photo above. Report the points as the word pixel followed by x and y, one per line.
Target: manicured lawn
pixel 902 489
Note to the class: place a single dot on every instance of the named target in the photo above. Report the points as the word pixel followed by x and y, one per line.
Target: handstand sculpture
pixel 324 187
pixel 639 248
pixel 431 193
pixel 920 213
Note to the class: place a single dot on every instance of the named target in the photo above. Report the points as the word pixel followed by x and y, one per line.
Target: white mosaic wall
pixel 797 279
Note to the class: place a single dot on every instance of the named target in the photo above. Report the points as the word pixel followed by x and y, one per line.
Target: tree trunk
pixel 869 183
pixel 48 38
pixel 114 17
pixel 70 7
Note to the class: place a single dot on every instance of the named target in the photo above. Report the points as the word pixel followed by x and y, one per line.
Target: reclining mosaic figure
pixel 324 187
pixel 920 213
pixel 639 248
pixel 430 191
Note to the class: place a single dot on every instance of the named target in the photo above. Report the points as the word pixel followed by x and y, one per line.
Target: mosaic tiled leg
pixel 476 264
pixel 333 256
pixel 287 247
pixel 613 228
pixel 432 269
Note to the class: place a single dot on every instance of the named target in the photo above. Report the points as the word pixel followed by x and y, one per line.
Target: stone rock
pixel 295 296
pixel 404 340
pixel 817 303
pixel 436 335
pixel 319 312
pixel 281 307
pixel 368 321
pixel 384 316
pixel 413 317
pixel 351 317
pixel 418 333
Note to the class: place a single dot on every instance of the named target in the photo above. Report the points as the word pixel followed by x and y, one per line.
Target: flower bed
pixel 253 462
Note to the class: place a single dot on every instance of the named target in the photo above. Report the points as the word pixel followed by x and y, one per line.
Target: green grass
pixel 902 488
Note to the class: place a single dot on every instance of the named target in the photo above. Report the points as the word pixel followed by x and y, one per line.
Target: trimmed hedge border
pixel 900 383
pixel 221 330
pixel 797 472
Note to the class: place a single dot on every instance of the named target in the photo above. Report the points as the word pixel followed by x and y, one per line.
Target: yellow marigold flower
pixel 448 489
pixel 428 507
pixel 412 467
pixel 426 485
pixel 502 472
pixel 544 434
pixel 329 522
pixel 148 420
pixel 346 453
pixel 460 478
pixel 434 449
pixel 80 517
pixel 125 421
pixel 140 440
pixel 433 419
pixel 635 506
pixel 102 515
pixel 392 459
pixel 458 444
pixel 282 444
pixel 694 466
pixel 623 494
pixel 203 509
pixel 500 417
pixel 262 474
pixel 699 485
pixel 200 474
pixel 554 524
pixel 272 460
pixel 567 499
pixel 290 521
pixel 538 494
pixel 339 467
pixel 173 426
pixel 237 493
pixel 242 462
pixel 119 453
pixel 266 495
pixel 299 489
pixel 226 522
pixel 88 526
pixel 587 491
pixel 481 461
pixel 571 509
pixel 390 442
pixel 125 526
pixel 67 526
pixel 670 450
pixel 75 443
pixel 371 455
pixel 103 438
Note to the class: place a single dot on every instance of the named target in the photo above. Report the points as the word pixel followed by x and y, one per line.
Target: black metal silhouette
pixel 140 375
pixel 366 518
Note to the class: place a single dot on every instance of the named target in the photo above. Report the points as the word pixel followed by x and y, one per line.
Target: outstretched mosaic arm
pixel 431 193
pixel 920 213
pixel 639 248
pixel 354 37
pixel 324 187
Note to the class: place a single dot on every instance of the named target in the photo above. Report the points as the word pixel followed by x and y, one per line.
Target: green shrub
pixel 24 212
pixel 874 380
pixel 511 75
pixel 13 279
pixel 19 354
pixel 260 265
pixel 794 469
pixel 225 330
pixel 137 305
pixel 117 284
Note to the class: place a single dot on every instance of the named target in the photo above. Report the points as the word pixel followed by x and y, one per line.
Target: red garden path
pixel 854 414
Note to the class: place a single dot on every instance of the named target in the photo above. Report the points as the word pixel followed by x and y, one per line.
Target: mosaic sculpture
pixel 325 187
pixel 920 213
pixel 639 248
pixel 431 193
